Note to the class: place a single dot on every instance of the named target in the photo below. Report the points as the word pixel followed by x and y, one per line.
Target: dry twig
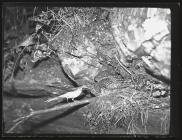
pixel 122 65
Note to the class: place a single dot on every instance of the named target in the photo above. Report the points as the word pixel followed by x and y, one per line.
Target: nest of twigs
pixel 125 108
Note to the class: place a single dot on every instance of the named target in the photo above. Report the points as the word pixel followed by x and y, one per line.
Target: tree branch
pixel 43 111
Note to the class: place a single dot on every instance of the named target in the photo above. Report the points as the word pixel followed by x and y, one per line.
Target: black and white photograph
pixel 86 70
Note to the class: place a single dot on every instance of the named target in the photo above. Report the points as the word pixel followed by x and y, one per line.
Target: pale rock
pixel 74 65
pixel 156 94
pixel 151 12
pixel 166 73
pixel 148 47
pixel 163 93
pixel 153 26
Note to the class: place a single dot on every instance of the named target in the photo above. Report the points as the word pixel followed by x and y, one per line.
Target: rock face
pixel 135 32
pixel 93 45
pixel 145 32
